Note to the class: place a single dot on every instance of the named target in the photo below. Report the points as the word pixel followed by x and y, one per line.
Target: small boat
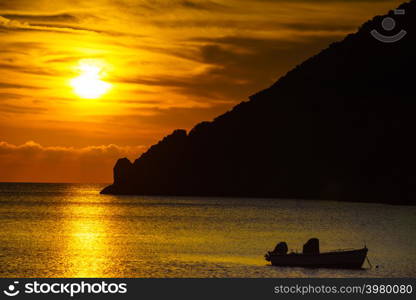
pixel 312 258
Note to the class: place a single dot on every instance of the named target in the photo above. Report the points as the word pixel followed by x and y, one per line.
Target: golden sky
pixel 154 66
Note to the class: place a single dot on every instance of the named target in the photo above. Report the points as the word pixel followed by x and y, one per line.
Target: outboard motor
pixel 311 246
pixel 281 248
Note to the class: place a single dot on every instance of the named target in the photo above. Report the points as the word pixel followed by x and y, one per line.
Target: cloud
pixel 16 47
pixel 34 162
pixel 30 69
pixel 35 6
pixel 15 109
pixel 9 24
pixel 169 118
pixel 202 5
pixel 169 5
pixel 236 66
pixel 60 18
pixel 15 4
pixel 265 25
pixel 7 96
pixel 5 85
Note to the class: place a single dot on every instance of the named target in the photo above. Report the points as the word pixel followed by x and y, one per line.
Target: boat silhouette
pixel 312 258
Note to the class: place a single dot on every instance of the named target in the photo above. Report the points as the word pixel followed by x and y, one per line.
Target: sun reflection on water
pixel 87 241
pixel 67 230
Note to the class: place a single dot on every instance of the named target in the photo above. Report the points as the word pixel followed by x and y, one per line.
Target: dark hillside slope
pixel 339 126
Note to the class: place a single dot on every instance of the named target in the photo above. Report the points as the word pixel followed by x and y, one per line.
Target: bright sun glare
pixel 88 84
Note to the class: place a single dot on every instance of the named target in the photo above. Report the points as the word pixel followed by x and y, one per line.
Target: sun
pixel 88 85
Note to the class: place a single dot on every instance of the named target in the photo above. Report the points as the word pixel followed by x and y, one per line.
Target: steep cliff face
pixel 338 126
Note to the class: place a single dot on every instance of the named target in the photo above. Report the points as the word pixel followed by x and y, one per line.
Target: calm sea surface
pixel 70 230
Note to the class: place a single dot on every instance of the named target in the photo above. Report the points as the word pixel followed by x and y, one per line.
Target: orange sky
pixel 170 64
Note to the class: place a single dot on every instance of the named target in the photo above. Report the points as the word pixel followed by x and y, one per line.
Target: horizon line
pixel 55 182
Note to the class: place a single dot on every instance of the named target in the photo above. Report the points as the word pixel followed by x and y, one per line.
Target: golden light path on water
pixel 101 239
pixel 86 239
pixel 87 243
pixel 70 230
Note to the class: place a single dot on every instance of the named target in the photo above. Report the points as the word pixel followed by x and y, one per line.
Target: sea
pixel 70 230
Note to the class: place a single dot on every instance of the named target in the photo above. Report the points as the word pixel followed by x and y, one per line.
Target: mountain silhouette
pixel 339 126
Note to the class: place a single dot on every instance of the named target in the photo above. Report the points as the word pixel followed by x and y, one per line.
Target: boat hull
pixel 352 259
